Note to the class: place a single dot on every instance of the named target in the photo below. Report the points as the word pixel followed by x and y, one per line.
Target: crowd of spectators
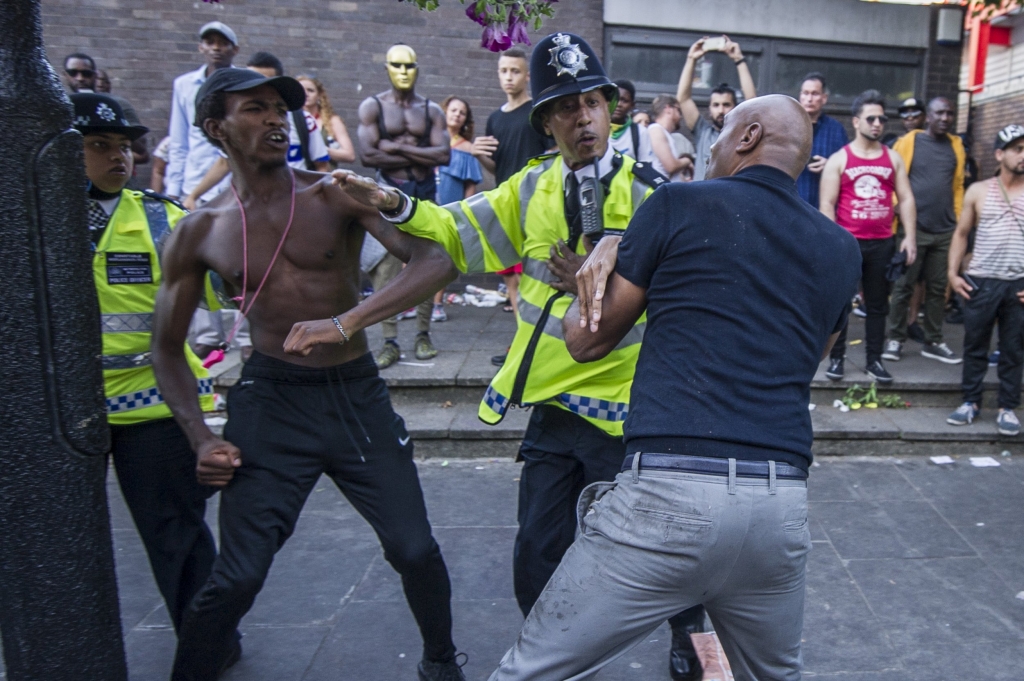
pixel 910 286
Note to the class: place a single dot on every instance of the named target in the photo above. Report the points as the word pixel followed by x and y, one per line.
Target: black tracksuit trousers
pixel 293 424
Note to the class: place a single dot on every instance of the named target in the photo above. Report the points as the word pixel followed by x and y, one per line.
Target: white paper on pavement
pixel 941 459
pixel 983 462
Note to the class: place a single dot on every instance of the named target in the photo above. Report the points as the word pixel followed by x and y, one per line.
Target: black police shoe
pixel 683 663
pixel 443 671
pixel 835 369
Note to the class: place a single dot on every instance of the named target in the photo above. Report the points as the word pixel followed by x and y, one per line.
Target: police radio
pixel 591 200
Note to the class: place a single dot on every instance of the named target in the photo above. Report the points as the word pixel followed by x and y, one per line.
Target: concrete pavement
pixel 916 574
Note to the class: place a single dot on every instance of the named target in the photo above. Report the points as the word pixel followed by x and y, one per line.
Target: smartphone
pixel 714 44
pixel 970 282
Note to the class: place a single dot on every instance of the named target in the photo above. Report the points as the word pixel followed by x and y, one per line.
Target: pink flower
pixel 478 17
pixel 495 38
pixel 517 31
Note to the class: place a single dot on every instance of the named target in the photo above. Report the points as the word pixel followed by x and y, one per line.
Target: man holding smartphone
pixel 721 101
pixel 994 282
pixel 829 135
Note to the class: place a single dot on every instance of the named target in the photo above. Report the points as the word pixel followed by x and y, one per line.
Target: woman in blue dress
pixel 457 180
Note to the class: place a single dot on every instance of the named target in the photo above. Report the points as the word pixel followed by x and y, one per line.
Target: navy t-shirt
pixel 745 283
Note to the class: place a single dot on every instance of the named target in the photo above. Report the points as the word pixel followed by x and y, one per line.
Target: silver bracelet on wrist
pixel 341 330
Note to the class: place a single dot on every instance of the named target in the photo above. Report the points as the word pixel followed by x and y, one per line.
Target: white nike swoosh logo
pixel 404 441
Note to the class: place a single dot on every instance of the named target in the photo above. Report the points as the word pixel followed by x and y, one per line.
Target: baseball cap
pixel 1009 135
pixel 239 80
pixel 219 27
pixel 911 104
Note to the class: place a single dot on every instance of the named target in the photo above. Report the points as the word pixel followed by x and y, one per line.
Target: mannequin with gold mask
pixel 404 137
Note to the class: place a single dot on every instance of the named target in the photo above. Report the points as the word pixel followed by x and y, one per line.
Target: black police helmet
pixel 98 113
pixel 564 64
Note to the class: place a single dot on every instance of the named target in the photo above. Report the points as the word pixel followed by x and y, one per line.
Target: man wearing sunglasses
pixel 81 75
pixel 80 72
pixel 857 186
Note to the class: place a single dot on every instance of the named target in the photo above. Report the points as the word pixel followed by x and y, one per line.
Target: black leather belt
pixel 706 465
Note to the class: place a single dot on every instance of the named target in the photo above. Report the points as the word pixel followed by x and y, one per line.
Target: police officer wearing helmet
pixel 548 216
pixel 155 464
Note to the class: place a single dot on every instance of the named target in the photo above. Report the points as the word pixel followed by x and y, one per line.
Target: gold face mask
pixel 401 65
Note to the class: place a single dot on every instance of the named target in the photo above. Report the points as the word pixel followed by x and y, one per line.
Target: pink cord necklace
pixel 242 307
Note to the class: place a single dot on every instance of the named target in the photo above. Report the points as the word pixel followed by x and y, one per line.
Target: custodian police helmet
pixel 564 64
pixel 99 113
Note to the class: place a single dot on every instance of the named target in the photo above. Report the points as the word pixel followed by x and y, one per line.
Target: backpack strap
pixel 299 121
pixel 381 129
pixel 156 217
pixel 634 131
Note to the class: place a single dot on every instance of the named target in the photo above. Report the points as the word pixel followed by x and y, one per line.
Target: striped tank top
pixel 999 238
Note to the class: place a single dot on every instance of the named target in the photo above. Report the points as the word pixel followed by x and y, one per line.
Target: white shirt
pixel 317 146
pixel 674 145
pixel 191 154
pixel 604 166
pixel 624 145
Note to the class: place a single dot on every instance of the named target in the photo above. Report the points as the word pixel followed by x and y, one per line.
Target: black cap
pixel 1009 135
pixel 240 80
pixel 95 113
pixel 565 64
pixel 911 104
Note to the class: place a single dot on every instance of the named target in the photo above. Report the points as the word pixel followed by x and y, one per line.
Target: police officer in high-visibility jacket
pixel 155 464
pixel 548 216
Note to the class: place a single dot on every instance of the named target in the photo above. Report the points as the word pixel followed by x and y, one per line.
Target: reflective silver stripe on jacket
pixel 128 322
pixel 132 361
pixel 528 187
pixel 471 246
pixel 538 269
pixel 639 191
pixel 530 313
pixel 492 230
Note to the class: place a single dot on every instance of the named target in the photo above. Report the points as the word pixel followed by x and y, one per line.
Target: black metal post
pixel 59 614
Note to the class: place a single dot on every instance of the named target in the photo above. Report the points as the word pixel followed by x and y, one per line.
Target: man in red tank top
pixel 857 187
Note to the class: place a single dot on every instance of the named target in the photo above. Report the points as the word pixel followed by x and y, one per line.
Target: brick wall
pixel 986 120
pixel 145 44
pixel 942 66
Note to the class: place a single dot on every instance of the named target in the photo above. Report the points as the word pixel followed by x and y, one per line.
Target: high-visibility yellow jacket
pixel 126 269
pixel 520 221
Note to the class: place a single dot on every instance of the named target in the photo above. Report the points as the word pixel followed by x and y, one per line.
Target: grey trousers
pixel 383 272
pixel 658 542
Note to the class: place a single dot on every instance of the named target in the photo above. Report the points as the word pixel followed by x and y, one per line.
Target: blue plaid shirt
pixel 829 137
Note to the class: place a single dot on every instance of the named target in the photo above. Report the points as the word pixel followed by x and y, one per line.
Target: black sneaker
pixel 443 671
pixel 499 360
pixel 941 352
pixel 876 370
pixel 835 369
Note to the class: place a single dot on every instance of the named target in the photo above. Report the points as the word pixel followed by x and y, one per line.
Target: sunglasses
pixel 74 73
pixel 913 113
pixel 876 119
pixel 401 65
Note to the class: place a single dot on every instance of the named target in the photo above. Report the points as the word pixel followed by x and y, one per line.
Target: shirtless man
pixel 288 242
pixel 404 137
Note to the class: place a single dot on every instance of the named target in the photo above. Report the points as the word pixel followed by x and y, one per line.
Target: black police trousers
pixel 293 424
pixel 156 469
pixel 562 453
